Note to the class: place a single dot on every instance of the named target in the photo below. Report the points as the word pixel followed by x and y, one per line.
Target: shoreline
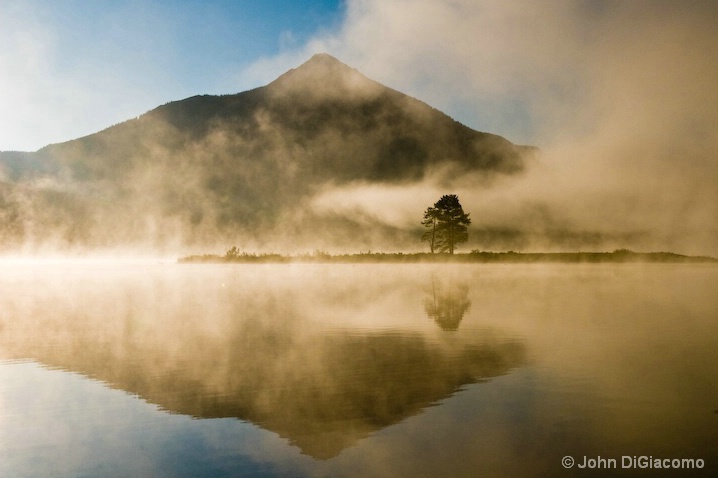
pixel 474 257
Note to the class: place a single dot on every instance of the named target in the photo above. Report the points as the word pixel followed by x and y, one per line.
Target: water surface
pixel 354 370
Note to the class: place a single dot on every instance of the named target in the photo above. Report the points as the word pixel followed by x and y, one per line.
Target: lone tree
pixel 447 224
pixel 431 221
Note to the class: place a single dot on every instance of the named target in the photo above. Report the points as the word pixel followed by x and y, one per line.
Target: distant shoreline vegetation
pixel 234 255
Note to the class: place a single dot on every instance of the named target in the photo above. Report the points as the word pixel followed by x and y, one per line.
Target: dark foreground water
pixel 172 370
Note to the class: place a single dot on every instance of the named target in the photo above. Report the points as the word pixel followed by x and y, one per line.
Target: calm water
pixel 355 370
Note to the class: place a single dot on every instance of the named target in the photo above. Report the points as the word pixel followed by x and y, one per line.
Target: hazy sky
pixel 522 69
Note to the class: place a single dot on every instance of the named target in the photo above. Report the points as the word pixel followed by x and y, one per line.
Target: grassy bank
pixel 481 257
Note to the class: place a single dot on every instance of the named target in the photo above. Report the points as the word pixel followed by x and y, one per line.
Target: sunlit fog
pixel 616 102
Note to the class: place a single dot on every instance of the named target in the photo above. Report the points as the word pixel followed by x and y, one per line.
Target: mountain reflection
pixel 255 354
pixel 447 302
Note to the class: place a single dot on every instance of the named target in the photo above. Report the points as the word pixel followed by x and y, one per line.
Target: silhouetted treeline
pixel 511 257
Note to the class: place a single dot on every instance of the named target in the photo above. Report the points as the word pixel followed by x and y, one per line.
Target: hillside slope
pixel 207 169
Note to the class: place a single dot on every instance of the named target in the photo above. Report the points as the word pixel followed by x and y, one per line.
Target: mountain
pixel 211 169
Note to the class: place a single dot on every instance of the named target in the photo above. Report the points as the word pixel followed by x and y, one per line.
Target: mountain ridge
pixel 209 168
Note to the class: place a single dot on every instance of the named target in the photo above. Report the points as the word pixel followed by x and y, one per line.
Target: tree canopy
pixel 447 224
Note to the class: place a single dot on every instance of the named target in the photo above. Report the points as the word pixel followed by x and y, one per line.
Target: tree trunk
pixel 433 235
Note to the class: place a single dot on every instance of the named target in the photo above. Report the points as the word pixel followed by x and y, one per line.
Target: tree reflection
pixel 447 303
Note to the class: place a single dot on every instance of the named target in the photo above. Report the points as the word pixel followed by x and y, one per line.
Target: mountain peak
pixel 324 59
pixel 324 75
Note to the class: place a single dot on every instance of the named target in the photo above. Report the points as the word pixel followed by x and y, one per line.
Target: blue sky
pixel 193 43
pixel 72 67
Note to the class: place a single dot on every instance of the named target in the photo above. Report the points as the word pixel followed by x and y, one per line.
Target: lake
pixel 167 370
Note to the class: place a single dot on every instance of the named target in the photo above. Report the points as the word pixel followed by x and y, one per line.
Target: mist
pixel 561 126
pixel 215 343
pixel 620 98
pixel 256 170
pixel 352 369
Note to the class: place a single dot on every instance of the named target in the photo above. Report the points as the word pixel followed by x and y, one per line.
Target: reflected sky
pixel 352 370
